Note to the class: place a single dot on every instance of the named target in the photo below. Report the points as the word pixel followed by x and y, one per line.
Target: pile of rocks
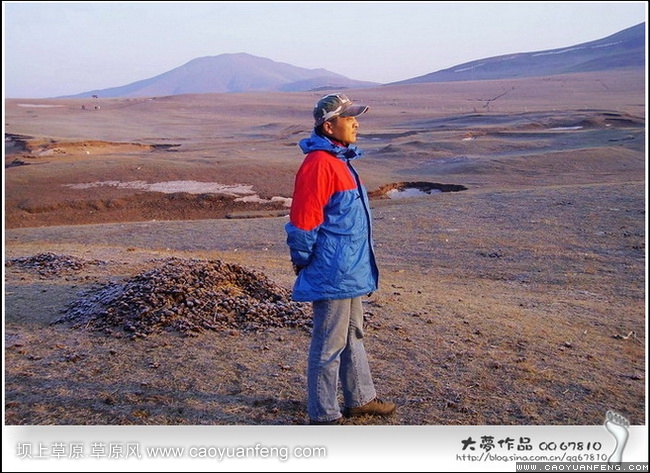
pixel 188 296
pixel 51 264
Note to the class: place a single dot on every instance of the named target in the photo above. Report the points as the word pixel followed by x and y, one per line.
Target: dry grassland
pixel 519 300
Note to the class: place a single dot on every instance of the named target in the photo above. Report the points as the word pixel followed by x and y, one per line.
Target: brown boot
pixel 376 407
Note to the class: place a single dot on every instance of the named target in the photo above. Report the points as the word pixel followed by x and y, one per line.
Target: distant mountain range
pixel 626 48
pixel 241 72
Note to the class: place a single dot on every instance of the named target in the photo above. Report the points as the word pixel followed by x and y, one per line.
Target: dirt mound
pixel 36 210
pixel 50 147
pixel 189 297
pixel 51 264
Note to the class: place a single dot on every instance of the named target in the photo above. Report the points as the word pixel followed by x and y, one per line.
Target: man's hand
pixel 297 269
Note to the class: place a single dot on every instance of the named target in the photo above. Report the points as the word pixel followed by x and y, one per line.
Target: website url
pixel 223 453
pixel 509 458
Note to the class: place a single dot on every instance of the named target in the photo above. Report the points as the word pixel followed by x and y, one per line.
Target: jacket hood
pixel 317 142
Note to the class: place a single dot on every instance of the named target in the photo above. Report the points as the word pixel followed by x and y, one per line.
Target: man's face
pixel 342 129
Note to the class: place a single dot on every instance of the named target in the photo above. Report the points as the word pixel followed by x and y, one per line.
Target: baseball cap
pixel 336 105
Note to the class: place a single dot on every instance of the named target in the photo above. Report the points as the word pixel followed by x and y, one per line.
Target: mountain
pixel 626 48
pixel 243 72
pixel 239 72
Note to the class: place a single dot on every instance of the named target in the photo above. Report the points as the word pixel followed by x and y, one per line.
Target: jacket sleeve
pixel 313 189
pixel 301 244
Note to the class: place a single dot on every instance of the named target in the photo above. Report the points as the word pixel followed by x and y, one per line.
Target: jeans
pixel 337 354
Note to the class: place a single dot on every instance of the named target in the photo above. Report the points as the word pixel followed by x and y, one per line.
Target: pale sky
pixel 52 49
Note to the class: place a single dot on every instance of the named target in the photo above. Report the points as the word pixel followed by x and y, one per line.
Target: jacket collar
pixel 318 142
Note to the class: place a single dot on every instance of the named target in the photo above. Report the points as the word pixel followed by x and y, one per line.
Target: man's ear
pixel 327 128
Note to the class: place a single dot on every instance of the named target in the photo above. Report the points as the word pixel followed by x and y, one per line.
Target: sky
pixel 53 49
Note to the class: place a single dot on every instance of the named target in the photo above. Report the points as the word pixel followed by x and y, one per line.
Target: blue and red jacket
pixel 330 229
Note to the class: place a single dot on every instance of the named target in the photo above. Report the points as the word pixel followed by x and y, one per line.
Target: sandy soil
pixel 516 296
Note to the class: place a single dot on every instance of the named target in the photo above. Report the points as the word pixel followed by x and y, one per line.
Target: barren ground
pixel 516 296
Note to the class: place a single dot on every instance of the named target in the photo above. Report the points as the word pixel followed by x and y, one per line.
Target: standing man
pixel 330 242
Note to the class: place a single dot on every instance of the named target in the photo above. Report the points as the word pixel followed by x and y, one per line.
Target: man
pixel 330 242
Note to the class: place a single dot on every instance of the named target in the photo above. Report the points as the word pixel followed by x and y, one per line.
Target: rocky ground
pixel 479 320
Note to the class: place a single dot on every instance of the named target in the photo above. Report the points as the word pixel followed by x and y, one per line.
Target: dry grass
pixel 518 301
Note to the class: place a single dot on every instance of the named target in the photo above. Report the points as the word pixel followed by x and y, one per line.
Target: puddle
pixel 409 192
pixel 400 190
pixel 37 105
pixel 241 192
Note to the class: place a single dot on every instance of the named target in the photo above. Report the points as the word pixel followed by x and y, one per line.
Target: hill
pixel 230 73
pixel 621 50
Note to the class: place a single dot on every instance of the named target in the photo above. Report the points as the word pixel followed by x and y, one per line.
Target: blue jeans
pixel 337 354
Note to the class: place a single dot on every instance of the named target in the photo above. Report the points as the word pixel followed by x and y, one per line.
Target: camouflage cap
pixel 336 105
